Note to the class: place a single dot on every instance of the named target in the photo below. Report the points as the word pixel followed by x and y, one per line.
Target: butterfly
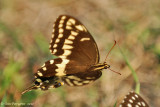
pixel 132 99
pixel 78 57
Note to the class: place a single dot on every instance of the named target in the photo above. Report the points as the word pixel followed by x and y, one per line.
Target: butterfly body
pixel 78 57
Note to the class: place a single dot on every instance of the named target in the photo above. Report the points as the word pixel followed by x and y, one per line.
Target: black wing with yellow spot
pixel 72 41
pixel 76 51
pixel 74 45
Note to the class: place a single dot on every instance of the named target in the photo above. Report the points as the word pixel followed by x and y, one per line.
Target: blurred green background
pixel 25 32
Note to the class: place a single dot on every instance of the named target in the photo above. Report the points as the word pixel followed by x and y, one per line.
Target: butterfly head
pixel 106 65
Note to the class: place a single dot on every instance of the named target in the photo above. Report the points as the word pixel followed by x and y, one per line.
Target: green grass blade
pixel 135 77
pixel 115 105
pixel 4 99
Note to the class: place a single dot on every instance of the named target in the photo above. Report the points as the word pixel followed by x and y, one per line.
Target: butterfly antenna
pixel 114 71
pixel 110 50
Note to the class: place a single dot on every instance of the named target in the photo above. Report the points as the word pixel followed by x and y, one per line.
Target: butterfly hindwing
pixel 82 78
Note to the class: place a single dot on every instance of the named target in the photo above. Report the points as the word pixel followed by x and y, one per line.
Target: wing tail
pixel 29 89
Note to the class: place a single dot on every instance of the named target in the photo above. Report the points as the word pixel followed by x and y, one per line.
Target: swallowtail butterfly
pixel 78 57
pixel 133 100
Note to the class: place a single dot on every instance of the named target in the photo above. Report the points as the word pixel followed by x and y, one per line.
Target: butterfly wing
pixel 133 100
pixel 71 42
pixel 82 78
pixel 77 51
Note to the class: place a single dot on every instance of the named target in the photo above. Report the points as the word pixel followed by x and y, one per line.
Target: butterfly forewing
pixel 71 40
pixel 51 68
pixel 133 100
pixel 77 51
